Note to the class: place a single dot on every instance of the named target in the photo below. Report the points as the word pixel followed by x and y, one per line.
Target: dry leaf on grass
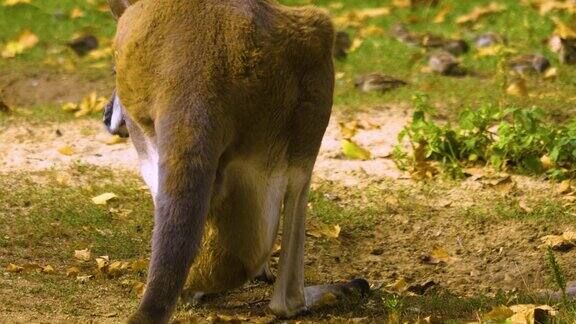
pixel 84 279
pixel 565 187
pixel 25 40
pixel 104 198
pixel 354 18
pixel 398 286
pixel 9 3
pixel 139 265
pixel 563 30
pixel 102 262
pixel 90 104
pixel 532 314
pixel 76 13
pixel 11 267
pixel 442 13
pixel 136 287
pixel 550 74
pixel 321 230
pixel 517 88
pixel 439 255
pixel 479 12
pixel 563 242
pixel 47 269
pixel 83 255
pixel 72 272
pixel 498 314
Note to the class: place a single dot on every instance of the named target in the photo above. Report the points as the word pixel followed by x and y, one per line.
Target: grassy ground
pixel 48 215
pixel 524 28
pixel 45 216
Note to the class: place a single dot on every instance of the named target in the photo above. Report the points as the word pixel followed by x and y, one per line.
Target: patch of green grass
pixel 523 27
pixel 45 216
pixel 40 115
pixel 50 20
pixel 57 217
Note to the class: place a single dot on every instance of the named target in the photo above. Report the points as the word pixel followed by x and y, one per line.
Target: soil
pixel 485 255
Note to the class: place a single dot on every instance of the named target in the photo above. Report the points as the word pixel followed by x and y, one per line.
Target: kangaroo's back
pixel 227 52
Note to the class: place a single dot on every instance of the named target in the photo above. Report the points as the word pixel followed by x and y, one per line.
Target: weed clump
pixel 509 139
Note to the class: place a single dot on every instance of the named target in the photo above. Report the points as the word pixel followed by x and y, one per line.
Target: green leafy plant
pixel 516 139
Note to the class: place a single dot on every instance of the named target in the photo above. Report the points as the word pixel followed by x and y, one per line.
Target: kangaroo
pixel 226 103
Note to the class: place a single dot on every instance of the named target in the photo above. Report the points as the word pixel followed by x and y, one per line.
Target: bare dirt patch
pixel 28 147
pixel 19 89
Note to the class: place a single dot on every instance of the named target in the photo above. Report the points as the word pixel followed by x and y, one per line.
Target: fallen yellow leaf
pixel 139 265
pixel 517 88
pixel 8 3
pixel 399 286
pixel 25 40
pixel 72 272
pixel 526 314
pixel 478 12
pixel 47 269
pixel 138 288
pixel 11 267
pixel 84 279
pixel 353 151
pixel 70 107
pixel 83 255
pixel 115 139
pixel 565 187
pixel 348 129
pixel 563 30
pixel 498 314
pixel 439 255
pixel 66 150
pixel 104 198
pixel 76 13
pixel 102 262
pixel 356 43
pixel 551 74
pixel 563 242
pixel 442 13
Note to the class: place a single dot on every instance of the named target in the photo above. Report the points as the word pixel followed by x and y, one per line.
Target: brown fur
pixel 235 94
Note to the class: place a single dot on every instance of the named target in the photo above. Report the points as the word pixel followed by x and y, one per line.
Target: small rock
pixel 456 46
pixel 332 197
pixel 377 82
pixel 453 46
pixel 532 63
pixel 342 44
pixel 488 39
pixel 402 34
pixel 432 41
pixel 567 51
pixel 84 44
pixel 377 251
pixel 444 63
pixel 420 289
pixel 555 43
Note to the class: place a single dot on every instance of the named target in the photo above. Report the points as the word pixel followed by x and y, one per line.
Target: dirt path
pixel 36 147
